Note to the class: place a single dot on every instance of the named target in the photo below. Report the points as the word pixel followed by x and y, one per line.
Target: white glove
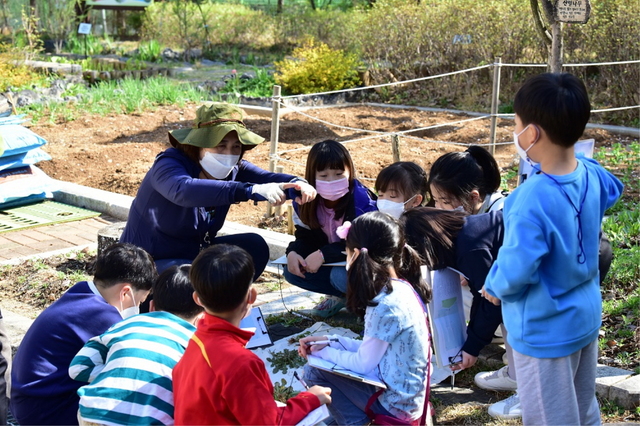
pixel 272 192
pixel 307 191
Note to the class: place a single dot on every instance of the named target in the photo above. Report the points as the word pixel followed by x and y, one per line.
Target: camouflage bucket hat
pixel 213 122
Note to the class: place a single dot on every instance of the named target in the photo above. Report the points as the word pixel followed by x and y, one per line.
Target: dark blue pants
pixel 254 244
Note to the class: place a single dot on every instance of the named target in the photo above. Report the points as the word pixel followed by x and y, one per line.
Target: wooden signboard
pixel 572 11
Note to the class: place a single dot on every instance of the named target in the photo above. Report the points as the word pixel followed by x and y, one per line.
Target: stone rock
pixel 54 92
pixel 4 105
pixel 626 393
pixel 207 63
pixel 170 55
pixel 27 97
pixel 607 376
pixel 59 83
pixel 192 53
pixel 248 75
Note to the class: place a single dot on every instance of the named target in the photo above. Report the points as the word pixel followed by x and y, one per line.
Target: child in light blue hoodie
pixel 546 274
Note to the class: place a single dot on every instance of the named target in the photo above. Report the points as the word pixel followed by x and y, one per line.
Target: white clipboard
pixel 329 366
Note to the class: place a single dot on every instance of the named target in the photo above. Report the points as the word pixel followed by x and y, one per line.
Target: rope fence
pixel 279 102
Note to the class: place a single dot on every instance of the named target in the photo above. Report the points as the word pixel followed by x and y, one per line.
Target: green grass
pixel 260 86
pixel 124 96
pixel 621 288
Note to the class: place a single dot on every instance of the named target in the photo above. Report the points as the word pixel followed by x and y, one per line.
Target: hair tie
pixel 343 230
pixel 364 250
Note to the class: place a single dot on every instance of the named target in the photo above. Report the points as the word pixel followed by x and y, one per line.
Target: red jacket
pixel 219 382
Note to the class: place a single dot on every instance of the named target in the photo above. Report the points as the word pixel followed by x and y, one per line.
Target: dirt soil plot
pixel 113 153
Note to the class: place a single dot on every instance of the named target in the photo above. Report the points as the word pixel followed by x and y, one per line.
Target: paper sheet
pixel 314 417
pixel 282 260
pixel 446 314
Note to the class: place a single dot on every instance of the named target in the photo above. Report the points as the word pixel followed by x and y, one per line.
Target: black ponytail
pixel 460 173
pixel 410 270
pixel 490 170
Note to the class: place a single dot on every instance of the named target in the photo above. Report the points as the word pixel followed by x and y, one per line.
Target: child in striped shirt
pixel 129 366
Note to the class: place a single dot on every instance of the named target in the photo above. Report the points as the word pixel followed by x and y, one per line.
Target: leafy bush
pixel 184 24
pixel 260 86
pixel 315 67
pixel 150 51
pixel 86 44
pixel 16 76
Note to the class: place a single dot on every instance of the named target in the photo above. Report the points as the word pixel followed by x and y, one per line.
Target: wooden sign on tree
pixel 572 11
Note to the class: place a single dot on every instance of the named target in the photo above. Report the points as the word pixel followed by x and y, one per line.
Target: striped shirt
pixel 129 370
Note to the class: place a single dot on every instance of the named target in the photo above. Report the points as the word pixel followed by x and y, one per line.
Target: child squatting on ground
pixel 401 186
pixel 341 197
pixel 546 274
pixel 386 287
pixel 218 381
pixel 129 367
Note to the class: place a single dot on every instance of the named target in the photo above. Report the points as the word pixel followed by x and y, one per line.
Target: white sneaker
pixel 507 408
pixel 495 380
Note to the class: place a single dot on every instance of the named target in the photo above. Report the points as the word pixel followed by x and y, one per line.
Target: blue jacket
pixel 175 213
pixel 551 303
pixel 309 240
pixel 42 393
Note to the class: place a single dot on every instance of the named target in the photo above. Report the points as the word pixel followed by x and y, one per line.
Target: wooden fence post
pixel 395 147
pixel 495 98
pixel 278 209
pixel 275 130
pixel 290 219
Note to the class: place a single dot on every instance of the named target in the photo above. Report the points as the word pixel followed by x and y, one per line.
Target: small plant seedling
pixel 288 358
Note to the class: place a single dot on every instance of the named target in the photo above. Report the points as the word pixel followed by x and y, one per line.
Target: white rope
pixel 327 122
pixel 602 63
pixel 523 65
pixel 392 84
pixel 615 109
pixel 569 65
pixel 384 134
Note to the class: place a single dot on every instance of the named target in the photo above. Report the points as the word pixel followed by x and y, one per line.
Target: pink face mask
pixel 332 190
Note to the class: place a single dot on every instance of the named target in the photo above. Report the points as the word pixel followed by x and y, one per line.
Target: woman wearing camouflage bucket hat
pixel 184 198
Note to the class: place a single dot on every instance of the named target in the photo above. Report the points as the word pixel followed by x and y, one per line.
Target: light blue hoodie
pixel 551 303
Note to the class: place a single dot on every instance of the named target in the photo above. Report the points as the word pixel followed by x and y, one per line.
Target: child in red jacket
pixel 218 381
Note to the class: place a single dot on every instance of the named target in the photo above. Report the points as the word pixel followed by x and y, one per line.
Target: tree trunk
pixel 555 54
pixel 554 40
pixel 279 7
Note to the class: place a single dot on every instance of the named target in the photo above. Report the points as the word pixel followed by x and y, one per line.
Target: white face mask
pixel 392 208
pixel 129 312
pixel 522 152
pixel 218 165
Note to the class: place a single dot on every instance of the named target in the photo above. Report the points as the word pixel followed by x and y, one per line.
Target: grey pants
pixel 559 391
pixel 511 370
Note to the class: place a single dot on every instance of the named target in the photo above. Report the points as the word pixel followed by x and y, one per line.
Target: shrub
pixel 315 67
pixel 86 44
pixel 150 51
pixel 15 76
pixel 184 24
pixel 260 86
